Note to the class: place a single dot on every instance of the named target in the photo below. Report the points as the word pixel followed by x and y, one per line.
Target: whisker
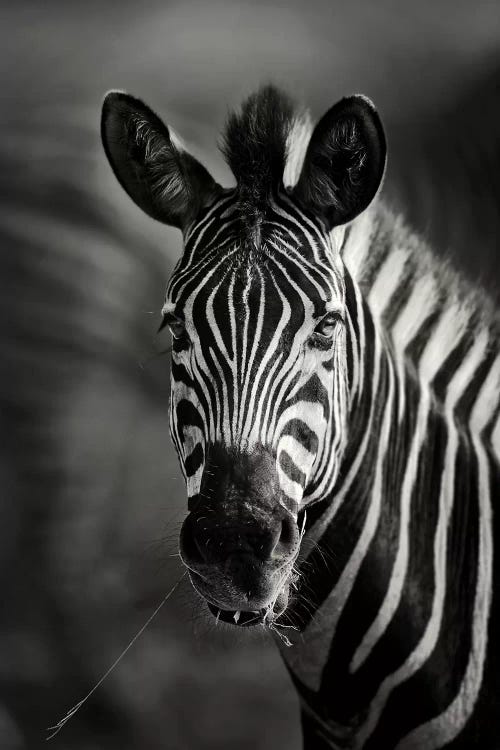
pixel 144 362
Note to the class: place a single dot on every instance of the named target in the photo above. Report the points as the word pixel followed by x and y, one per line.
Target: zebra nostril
pixel 287 538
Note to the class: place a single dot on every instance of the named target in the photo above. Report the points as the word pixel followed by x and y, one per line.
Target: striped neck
pixel 382 600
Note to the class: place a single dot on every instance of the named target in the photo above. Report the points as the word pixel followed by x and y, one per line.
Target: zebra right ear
pixel 344 162
pixel 161 178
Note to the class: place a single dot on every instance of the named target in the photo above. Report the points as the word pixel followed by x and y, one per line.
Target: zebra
pixel 335 393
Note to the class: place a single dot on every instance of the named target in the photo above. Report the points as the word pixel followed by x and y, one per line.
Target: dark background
pixel 91 496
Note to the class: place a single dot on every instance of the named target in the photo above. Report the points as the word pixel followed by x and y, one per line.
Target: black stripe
pixel 194 461
pixel 400 296
pixel 467 399
pixel 450 366
pixel 301 432
pixel 314 392
pixel 187 416
pixel 291 469
pixel 416 346
pixel 351 344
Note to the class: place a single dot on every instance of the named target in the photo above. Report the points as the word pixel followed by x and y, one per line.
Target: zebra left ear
pixel 345 161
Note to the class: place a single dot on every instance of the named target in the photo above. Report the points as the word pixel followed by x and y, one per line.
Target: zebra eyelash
pixel 323 334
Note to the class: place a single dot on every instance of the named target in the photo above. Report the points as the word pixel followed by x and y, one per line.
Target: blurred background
pixel 91 497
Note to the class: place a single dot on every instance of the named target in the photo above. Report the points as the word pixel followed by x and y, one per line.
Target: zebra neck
pixel 381 598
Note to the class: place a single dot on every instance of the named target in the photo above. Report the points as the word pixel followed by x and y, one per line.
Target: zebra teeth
pixel 239 618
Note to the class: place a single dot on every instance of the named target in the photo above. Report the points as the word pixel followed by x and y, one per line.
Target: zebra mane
pixel 397 261
pixel 255 146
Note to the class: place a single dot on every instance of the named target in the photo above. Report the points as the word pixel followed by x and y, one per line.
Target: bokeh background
pixel 91 498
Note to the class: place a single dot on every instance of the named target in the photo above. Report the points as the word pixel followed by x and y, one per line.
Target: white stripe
pixel 302 458
pixel 358 243
pixel 419 306
pixel 296 147
pixel 292 489
pixel 387 281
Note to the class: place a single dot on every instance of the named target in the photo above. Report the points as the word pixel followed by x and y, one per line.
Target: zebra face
pixel 256 308
pixel 258 392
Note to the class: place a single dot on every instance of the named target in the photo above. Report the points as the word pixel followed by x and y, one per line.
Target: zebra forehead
pixel 289 252
pixel 282 229
pixel 245 280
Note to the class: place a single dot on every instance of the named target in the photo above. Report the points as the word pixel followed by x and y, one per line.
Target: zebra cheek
pixel 311 361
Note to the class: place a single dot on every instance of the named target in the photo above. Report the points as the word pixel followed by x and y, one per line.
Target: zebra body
pixel 337 381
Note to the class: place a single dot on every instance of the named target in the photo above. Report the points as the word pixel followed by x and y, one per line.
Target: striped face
pixel 258 359
pixel 258 386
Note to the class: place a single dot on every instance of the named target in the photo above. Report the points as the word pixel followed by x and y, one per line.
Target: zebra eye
pixel 324 330
pixel 176 325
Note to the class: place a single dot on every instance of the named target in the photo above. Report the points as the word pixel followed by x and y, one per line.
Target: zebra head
pixel 256 307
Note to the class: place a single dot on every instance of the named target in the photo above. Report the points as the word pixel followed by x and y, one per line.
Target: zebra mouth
pixel 243 618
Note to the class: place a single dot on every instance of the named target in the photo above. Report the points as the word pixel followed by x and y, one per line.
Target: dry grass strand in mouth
pixel 62 723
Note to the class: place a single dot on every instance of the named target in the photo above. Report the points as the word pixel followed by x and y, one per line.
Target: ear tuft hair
pixel 255 144
pixel 347 156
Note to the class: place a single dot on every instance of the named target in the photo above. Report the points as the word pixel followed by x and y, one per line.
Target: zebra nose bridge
pixel 239 470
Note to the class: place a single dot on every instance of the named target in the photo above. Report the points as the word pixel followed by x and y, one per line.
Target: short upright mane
pixel 254 145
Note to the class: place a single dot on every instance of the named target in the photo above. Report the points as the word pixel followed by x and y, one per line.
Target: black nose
pixel 209 537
